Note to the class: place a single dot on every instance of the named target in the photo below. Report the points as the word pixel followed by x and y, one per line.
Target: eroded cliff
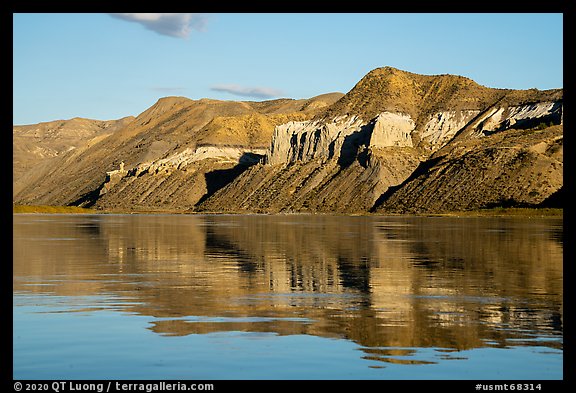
pixel 376 147
pixel 396 142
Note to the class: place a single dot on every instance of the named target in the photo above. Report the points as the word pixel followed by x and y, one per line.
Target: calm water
pixel 286 297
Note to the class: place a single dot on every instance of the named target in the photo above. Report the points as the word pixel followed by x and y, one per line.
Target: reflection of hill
pixel 380 281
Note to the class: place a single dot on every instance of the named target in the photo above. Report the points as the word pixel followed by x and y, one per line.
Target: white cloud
pixel 170 24
pixel 256 92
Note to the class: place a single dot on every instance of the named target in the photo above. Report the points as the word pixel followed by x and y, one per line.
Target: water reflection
pixel 387 283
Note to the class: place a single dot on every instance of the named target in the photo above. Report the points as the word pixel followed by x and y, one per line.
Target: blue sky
pixel 104 66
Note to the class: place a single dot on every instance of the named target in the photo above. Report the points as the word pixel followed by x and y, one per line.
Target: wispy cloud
pixel 244 91
pixel 170 24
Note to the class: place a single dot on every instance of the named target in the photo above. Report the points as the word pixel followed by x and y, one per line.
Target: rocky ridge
pixel 353 156
pixel 397 142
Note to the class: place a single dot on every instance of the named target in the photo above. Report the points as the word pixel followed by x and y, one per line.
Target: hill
pixel 398 142
pixel 374 150
pixel 193 130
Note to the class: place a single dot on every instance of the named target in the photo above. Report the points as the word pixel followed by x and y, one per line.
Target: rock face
pixel 443 126
pixel 401 142
pixel 520 116
pixel 392 129
pixel 338 139
pixel 304 141
pixel 397 142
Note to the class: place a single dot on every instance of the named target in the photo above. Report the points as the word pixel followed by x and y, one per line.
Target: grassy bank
pixel 507 212
pixel 494 212
pixel 50 209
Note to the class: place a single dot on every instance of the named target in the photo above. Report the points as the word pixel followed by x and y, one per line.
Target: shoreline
pixel 525 212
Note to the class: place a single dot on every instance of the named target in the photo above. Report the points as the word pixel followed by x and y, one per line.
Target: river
pixel 286 297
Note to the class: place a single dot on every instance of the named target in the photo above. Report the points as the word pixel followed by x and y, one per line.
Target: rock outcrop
pixel 443 126
pixel 308 140
pixel 339 139
pixel 397 142
pixel 520 116
pixel 392 129
pixel 401 142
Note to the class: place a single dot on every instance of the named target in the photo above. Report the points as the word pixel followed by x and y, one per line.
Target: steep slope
pixel 397 142
pixel 510 168
pixel 164 152
pixel 313 186
pixel 352 155
pixel 511 154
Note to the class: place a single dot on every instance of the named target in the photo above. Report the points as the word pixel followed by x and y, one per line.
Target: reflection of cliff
pixel 380 281
pixel 437 273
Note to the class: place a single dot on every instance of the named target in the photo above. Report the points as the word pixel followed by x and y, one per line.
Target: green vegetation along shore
pixel 493 212
pixel 50 209
pixel 507 212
